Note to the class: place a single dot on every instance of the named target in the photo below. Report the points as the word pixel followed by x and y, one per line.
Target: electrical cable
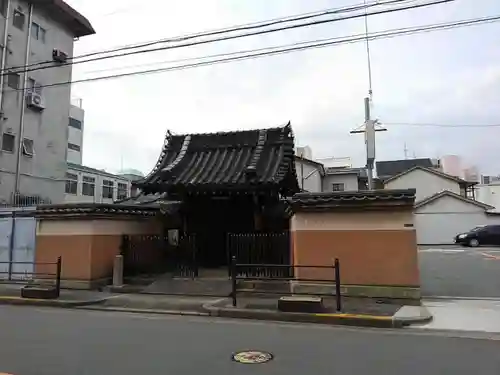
pixel 242 27
pixel 300 46
pixel 442 125
pixel 232 36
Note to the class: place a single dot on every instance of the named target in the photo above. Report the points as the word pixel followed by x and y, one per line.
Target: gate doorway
pixel 265 249
pixel 147 255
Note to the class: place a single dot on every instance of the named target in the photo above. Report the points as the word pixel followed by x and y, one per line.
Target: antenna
pixel 369 64
pixel 406 151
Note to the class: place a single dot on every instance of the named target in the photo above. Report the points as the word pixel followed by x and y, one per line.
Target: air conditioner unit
pixel 35 101
pixel 59 56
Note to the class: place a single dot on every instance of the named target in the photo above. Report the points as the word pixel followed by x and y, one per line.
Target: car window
pixel 477 229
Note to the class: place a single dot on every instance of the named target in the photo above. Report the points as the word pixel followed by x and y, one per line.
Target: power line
pixel 295 47
pixel 443 125
pixel 319 22
pixel 243 27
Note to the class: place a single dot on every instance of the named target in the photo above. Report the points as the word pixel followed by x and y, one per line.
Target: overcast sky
pixel 443 77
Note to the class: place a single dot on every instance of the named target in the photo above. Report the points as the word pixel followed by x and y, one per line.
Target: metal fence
pixel 261 248
pixel 153 254
pixel 43 273
pixel 20 200
pixel 269 272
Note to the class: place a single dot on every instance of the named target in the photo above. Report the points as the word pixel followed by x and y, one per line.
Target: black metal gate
pixel 151 255
pixel 261 248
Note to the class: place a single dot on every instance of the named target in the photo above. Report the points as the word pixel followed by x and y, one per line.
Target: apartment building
pixel 89 185
pixel 75 133
pixel 34 117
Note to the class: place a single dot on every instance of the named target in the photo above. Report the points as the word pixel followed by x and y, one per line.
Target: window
pixel 71 183
pixel 28 147
pixel 18 19
pixel 107 189
pixel 13 80
pixel 8 142
pixel 88 186
pixel 38 32
pixel 34 86
pixel 74 123
pixel 122 191
pixel 72 146
pixel 338 187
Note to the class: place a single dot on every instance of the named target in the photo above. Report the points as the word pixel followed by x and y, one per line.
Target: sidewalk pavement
pixel 474 315
pixel 10 294
pixel 355 311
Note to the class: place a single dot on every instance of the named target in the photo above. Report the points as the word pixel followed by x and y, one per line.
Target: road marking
pixel 451 251
pixel 490 256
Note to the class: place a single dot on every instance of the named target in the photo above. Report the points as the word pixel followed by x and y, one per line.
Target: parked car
pixel 482 235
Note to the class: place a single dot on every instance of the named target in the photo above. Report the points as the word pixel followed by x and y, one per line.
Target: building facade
pixel 90 185
pixel 75 134
pixel 489 194
pixel 34 129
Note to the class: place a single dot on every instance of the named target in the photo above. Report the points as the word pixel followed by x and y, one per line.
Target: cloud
pixel 440 77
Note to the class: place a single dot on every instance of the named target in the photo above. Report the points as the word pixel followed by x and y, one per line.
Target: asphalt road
pixel 62 342
pixel 460 271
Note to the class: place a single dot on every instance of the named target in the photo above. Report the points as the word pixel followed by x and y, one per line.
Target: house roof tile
pixel 444 193
pixel 430 170
pixel 389 168
pixel 332 200
pixel 250 159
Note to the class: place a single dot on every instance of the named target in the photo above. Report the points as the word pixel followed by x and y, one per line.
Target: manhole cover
pixel 252 357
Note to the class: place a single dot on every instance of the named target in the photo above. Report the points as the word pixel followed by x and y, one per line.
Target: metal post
pixel 233 280
pixel 118 271
pixel 58 275
pixel 369 137
pixel 23 103
pixel 302 171
pixel 4 54
pixel 20 137
pixel 338 296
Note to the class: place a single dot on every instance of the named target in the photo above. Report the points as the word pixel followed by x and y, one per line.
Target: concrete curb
pixel 360 320
pixel 143 311
pixel 12 300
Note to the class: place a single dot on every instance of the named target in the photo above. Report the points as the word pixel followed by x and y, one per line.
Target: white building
pixel 30 33
pixel 314 177
pixel 75 134
pixel 442 207
pixel 489 194
pixel 90 185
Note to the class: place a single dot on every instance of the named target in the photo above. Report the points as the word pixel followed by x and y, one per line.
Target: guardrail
pixel 39 276
pixel 255 272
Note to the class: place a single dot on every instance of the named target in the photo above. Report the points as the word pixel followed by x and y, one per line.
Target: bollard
pixel 118 271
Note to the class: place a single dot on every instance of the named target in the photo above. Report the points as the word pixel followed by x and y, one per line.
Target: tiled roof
pixel 389 168
pixel 91 209
pixel 433 171
pixel 242 160
pixel 158 200
pixel 448 193
pixel 349 199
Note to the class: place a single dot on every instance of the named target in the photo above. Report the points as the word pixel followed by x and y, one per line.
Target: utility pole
pixel 23 103
pixel 3 62
pixel 20 135
pixel 369 128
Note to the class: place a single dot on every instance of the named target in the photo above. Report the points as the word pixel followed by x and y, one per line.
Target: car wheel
pixel 473 242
